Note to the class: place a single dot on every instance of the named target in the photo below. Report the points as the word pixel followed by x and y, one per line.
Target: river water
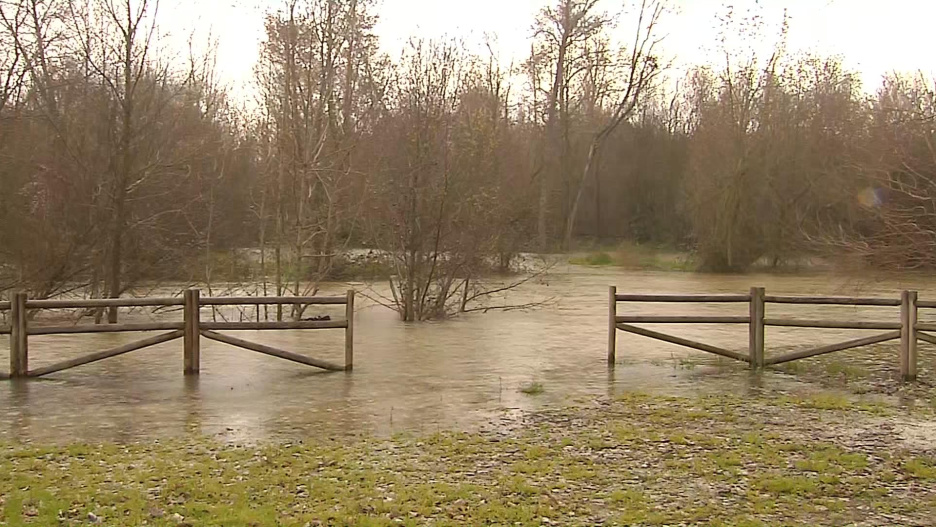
pixel 461 373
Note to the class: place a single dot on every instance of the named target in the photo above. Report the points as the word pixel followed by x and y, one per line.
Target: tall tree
pixel 561 32
pixel 640 70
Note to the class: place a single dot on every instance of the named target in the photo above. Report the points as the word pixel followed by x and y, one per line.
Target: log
pixel 612 325
pixel 101 355
pixel 926 337
pixel 829 324
pixel 925 326
pixel 19 336
pixel 349 331
pixel 102 302
pixel 908 339
pixel 681 298
pixel 867 341
pixel 683 342
pixel 271 300
pixel 756 328
pixel 105 328
pixel 642 319
pixel 248 326
pixel 6 306
pixel 191 349
pixel 273 352
pixel 6 330
pixel 832 300
pixel 926 303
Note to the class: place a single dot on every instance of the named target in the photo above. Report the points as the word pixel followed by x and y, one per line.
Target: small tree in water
pixel 440 203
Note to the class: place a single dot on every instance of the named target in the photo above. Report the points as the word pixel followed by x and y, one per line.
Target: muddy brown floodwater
pixel 418 377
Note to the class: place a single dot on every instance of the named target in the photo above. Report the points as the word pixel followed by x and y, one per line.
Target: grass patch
pixel 796 485
pixel 921 468
pixel 534 388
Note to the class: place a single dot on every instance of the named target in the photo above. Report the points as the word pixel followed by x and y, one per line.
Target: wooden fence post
pixel 908 335
pixel 19 336
pixel 756 331
pixel 192 336
pixel 349 332
pixel 612 325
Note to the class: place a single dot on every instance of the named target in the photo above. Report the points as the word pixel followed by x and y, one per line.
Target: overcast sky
pixel 873 37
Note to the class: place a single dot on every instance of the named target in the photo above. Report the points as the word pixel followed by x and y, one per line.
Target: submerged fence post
pixel 612 325
pixel 756 331
pixel 908 335
pixel 349 332
pixel 192 336
pixel 19 336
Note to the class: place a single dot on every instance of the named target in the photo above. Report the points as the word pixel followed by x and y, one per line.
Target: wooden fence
pixel 907 329
pixel 191 329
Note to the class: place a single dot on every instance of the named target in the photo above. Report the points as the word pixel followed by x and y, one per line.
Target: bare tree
pixel 315 60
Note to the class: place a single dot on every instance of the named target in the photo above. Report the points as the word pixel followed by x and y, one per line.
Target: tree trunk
pixel 599 232
pixel 570 222
pixel 115 258
pixel 553 144
pixel 542 236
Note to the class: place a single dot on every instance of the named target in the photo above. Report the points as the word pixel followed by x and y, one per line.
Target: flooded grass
pixel 868 370
pixel 633 256
pixel 595 259
pixel 534 388
pixel 636 459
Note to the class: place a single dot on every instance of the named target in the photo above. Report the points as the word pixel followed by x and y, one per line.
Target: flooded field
pixel 421 377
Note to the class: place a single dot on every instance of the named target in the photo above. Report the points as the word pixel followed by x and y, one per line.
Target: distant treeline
pixel 123 161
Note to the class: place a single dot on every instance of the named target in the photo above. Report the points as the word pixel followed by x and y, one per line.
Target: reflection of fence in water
pixel 191 329
pixel 908 329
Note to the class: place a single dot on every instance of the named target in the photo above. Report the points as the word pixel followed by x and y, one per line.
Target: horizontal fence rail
pixel 683 298
pixel 191 329
pixel 829 324
pixel 271 300
pixel 104 328
pixel 831 301
pixel 682 320
pixel 907 329
pixel 91 303
pixel 325 324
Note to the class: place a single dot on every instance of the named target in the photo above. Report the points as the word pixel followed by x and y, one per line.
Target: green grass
pixel 633 460
pixel 922 468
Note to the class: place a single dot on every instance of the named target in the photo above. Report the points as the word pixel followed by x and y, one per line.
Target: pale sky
pixel 873 37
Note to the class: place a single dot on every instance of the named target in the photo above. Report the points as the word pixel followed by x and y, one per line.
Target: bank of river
pixel 627 460
pixel 440 423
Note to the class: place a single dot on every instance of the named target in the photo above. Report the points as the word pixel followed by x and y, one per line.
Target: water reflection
pixel 416 377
